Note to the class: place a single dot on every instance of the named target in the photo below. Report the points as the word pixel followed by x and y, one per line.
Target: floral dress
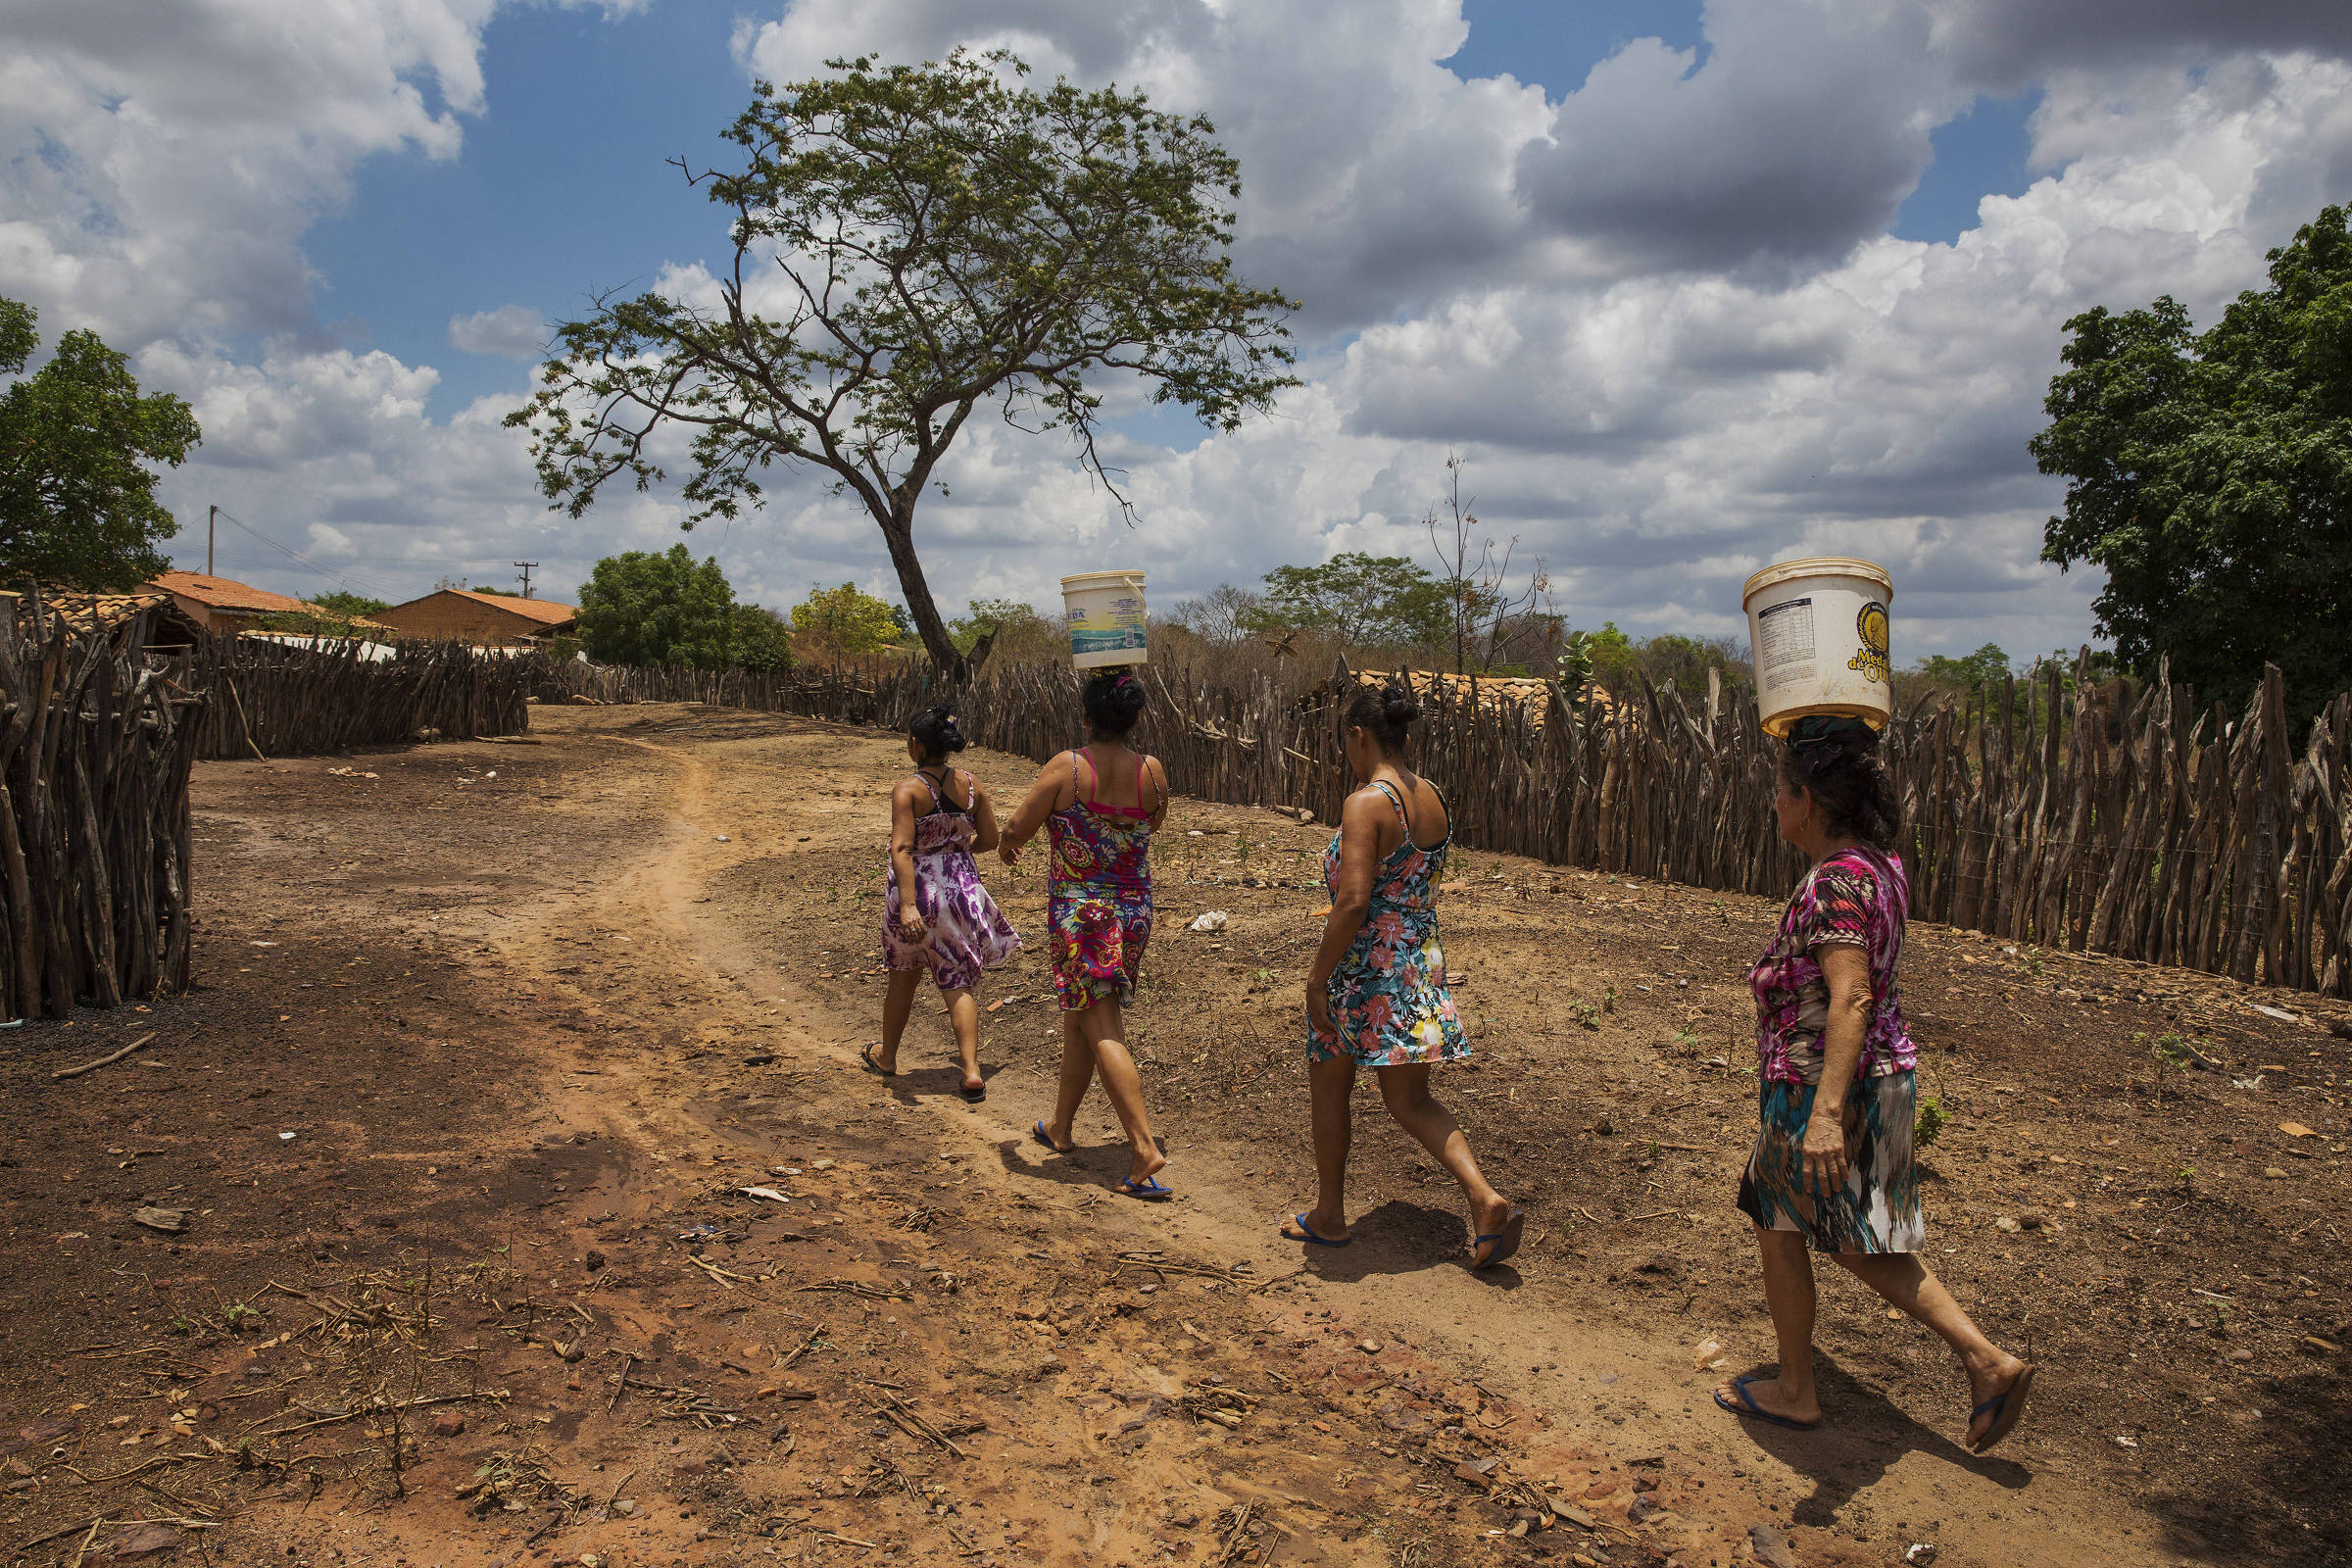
pixel 964 932
pixel 1099 895
pixel 1859 898
pixel 1389 1002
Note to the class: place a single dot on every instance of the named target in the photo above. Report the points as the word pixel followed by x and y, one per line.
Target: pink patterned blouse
pixel 1860 898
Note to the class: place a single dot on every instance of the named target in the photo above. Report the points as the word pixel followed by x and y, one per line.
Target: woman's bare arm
pixel 1044 799
pixel 902 801
pixel 1846 970
pixel 1359 854
pixel 984 820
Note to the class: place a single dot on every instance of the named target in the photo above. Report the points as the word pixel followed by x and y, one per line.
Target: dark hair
pixel 1115 700
pixel 1835 760
pixel 934 730
pixel 1388 714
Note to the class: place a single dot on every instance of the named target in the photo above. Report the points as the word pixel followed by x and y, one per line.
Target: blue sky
pixel 1693 286
pixel 561 189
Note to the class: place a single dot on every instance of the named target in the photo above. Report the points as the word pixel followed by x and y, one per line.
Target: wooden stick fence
pixel 2053 812
pixel 273 698
pixel 96 742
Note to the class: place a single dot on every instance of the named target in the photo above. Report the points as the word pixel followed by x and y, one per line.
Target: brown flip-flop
pixel 2006 1406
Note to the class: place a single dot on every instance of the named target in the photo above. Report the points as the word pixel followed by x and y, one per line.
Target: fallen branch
pixel 387 1409
pixel 93 1067
pixel 865 1292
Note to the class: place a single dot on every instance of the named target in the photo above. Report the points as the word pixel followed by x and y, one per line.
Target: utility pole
pixel 526 566
pixel 210 519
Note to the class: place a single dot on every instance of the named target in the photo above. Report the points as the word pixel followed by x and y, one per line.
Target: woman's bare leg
pixel 1104 1026
pixel 1077 1074
pixel 1907 1283
pixel 1788 1294
pixel 1406 1092
pixel 964 1012
pixel 898 1000
pixel 1331 1118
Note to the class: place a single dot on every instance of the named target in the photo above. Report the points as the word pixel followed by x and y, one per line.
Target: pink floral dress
pixel 1099 895
pixel 965 931
pixel 1388 999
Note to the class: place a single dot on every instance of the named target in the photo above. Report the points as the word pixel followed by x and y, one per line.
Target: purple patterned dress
pixel 965 932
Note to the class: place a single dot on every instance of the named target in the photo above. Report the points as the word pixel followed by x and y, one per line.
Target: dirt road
pixel 492 1039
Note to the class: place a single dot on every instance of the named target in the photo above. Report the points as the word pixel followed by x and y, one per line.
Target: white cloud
pixel 1661 313
pixel 511 331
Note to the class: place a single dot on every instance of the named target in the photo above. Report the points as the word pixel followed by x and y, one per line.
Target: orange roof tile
pixel 540 610
pixel 224 593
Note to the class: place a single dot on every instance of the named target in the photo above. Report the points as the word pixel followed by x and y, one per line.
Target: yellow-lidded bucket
pixel 1106 619
pixel 1817 631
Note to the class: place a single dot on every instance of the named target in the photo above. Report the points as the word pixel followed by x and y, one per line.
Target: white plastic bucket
pixel 1106 619
pixel 1817 632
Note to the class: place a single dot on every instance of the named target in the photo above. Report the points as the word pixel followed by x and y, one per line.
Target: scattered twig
pixel 863 1292
pixel 93 1067
pixel 621 1382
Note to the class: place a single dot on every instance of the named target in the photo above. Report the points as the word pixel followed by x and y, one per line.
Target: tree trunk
pixel 897 532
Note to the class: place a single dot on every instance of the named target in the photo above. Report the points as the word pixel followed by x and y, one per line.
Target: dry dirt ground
pixel 489 1039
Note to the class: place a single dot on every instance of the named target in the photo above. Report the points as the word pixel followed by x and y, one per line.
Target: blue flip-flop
pixel 1308 1236
pixel 2005 1414
pixel 1753 1411
pixel 1506 1241
pixel 1039 1133
pixel 1149 1190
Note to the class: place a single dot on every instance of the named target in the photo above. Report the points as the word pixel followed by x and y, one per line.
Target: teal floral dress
pixel 1389 1001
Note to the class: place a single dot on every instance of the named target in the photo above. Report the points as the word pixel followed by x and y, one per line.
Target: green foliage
pixel 762 640
pixel 1573 669
pixel 1972 672
pixel 77 442
pixel 344 603
pixel 1929 1122
pixel 1018 634
pixel 845 622
pixel 1362 599
pixel 638 607
pixel 1613 656
pixel 2210 476
pixel 949 241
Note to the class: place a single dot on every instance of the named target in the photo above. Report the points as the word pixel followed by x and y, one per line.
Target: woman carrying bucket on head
pixel 935 917
pixel 1100 805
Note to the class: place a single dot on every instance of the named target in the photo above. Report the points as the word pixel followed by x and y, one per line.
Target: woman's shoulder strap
pixel 1397 801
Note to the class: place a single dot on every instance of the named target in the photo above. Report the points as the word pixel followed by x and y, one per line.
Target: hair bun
pixel 1399 705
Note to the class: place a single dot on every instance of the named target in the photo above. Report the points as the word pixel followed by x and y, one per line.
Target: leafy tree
pixel 1364 599
pixel 1972 672
pixel 1612 654
pixel 1680 661
pixel 1223 616
pixel 2211 476
pixel 77 440
pixel 762 640
pixel 638 607
pixel 945 239
pixel 844 622
pixel 1006 629
pixel 348 605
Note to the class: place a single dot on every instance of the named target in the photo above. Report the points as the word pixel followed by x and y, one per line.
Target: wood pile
pixel 2122 820
pixel 96 744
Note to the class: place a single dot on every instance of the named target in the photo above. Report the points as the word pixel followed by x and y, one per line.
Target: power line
pixel 368 581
